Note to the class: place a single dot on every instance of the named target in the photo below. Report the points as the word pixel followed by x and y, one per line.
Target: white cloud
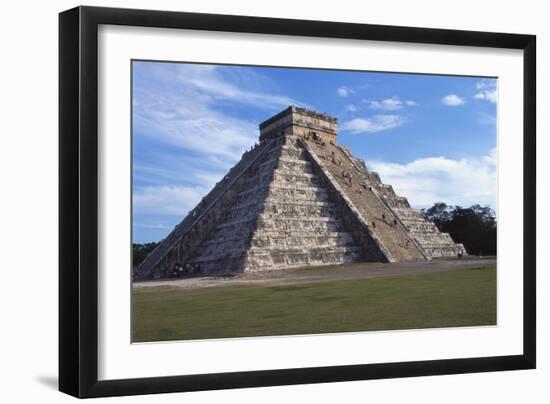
pixel 486 83
pixel 487 90
pixel 438 179
pixel 352 108
pixel 452 100
pixel 344 91
pixel 167 200
pixel 491 157
pixel 376 123
pixel 389 104
pixel 216 87
pixel 174 104
pixel 488 95
pixel 199 129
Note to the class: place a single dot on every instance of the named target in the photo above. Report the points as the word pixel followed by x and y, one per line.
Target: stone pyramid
pixel 296 199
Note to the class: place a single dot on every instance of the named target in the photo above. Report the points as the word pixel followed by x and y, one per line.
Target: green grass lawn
pixel 461 297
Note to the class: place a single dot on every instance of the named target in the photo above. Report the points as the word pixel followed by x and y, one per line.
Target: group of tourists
pixel 335 160
pixel 180 270
pixel 388 220
pixel 347 175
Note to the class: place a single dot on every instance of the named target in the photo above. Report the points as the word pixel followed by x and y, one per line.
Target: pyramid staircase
pixel 397 243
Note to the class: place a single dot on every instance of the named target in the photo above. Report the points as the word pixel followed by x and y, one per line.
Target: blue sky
pixel 432 137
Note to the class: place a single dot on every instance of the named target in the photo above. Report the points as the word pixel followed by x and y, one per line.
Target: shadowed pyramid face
pixel 296 199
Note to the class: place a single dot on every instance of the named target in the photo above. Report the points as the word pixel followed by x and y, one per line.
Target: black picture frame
pixel 78 201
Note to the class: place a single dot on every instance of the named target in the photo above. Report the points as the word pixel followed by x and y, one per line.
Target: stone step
pixel 281 224
pixel 298 210
pixel 300 233
pixel 285 179
pixel 437 252
pixel 274 254
pixel 253 191
pixel 299 225
pixel 241 215
pixel 302 201
pixel 247 203
pixel 293 176
pixel 412 219
pixel 321 219
pixel 240 221
pixel 280 188
pixel 270 202
pixel 440 245
pixel 434 243
pixel 285 170
pixel 230 247
pixel 419 224
pixel 297 188
pixel 295 153
pixel 274 210
pixel 276 235
pixel 422 230
pixel 297 215
pixel 297 193
pixel 285 162
pixel 434 236
pixel 297 202
pixel 289 259
pixel 234 247
pixel 301 241
pixel 300 249
pixel 436 240
pixel 284 143
pixel 260 179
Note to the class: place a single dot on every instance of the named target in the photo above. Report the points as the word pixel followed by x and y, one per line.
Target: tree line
pixel 140 251
pixel 475 227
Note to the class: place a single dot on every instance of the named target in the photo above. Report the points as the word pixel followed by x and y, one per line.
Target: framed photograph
pixel 249 201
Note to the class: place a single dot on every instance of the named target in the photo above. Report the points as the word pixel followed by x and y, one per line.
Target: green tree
pixel 140 251
pixel 475 227
pixel 439 213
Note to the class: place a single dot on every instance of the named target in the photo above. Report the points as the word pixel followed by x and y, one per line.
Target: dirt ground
pixel 320 274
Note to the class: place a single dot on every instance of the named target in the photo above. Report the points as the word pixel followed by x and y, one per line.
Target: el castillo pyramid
pixel 297 198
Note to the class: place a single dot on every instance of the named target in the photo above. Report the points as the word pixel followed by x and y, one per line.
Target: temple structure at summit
pixel 297 198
